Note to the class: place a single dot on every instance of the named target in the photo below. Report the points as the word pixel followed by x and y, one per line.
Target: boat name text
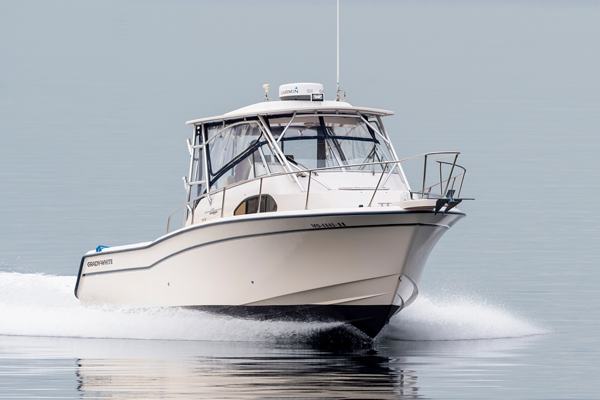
pixel 99 262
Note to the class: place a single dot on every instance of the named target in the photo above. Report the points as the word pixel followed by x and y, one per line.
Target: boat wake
pixel 44 305
pixel 457 318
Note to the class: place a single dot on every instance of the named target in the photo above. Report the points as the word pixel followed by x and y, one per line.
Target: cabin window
pixel 250 205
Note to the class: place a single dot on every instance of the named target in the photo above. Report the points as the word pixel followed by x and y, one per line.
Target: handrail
pixel 378 183
pixel 427 190
pixel 424 193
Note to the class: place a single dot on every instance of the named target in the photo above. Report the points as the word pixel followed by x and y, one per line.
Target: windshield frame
pixel 268 148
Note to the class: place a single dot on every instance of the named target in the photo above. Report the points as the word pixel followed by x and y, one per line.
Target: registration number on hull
pixel 326 225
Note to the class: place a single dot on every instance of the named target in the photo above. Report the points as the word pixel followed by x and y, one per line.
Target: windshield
pixel 317 142
pixel 241 151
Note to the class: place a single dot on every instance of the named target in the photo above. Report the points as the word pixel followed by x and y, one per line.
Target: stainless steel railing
pixel 445 183
pixel 425 192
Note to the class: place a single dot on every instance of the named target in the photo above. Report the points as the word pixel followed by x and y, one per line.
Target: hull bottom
pixel 369 319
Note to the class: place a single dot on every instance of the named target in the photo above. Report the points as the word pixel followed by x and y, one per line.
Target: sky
pixel 94 97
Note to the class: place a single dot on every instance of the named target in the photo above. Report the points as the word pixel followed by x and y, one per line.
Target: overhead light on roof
pixel 317 97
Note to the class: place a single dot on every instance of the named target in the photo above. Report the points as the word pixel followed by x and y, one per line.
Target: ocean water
pixel 53 347
pixel 93 100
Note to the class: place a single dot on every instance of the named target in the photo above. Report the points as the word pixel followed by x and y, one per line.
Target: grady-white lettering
pixel 99 262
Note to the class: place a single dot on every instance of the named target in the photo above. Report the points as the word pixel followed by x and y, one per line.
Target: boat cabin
pixel 297 142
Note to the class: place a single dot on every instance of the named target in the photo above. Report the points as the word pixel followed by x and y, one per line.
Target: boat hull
pixel 358 267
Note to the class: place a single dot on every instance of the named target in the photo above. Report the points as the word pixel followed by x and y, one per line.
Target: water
pixel 93 97
pixel 44 305
pixel 183 352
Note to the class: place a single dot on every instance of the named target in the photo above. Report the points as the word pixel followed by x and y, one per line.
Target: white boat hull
pixel 306 264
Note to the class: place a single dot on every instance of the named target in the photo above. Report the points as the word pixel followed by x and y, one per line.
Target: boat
pixel 295 209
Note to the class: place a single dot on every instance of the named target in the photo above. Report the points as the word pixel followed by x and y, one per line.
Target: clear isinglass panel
pixel 230 142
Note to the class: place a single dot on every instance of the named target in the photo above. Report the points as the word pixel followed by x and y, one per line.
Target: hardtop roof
pixel 289 106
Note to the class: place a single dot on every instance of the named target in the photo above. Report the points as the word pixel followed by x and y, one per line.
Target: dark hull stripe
pixel 262 217
pixel 251 236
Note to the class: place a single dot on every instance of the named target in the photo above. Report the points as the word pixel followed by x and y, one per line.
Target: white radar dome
pixel 301 91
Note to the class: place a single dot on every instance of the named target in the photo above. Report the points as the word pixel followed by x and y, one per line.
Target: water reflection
pixel 274 373
pixel 385 369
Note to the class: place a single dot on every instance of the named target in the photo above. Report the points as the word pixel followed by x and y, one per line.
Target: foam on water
pixel 44 305
pixel 457 318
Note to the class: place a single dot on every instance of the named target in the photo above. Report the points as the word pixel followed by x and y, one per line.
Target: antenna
pixel 337 91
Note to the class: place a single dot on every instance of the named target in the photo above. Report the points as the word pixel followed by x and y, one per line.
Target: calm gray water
pixel 93 100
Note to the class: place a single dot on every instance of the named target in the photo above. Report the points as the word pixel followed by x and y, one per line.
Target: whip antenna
pixel 337 92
